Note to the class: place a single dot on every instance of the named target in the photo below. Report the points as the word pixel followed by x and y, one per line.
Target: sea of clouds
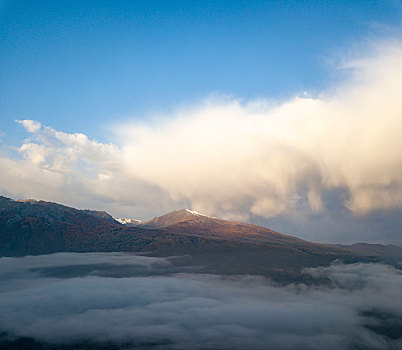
pixel 119 298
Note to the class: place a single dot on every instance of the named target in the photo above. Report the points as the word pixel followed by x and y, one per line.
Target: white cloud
pixel 234 159
pixel 30 125
pixel 237 158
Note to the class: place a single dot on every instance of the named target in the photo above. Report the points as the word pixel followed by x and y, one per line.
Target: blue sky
pixel 77 65
pixel 281 113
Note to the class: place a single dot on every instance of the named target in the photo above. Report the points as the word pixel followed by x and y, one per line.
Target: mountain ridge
pixel 214 245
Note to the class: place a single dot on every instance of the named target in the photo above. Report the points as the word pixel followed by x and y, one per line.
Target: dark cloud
pixel 183 311
pixel 337 224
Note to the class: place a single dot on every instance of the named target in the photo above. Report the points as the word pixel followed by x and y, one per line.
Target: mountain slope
pixel 185 221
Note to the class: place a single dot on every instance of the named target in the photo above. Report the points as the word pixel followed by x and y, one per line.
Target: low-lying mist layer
pixel 68 298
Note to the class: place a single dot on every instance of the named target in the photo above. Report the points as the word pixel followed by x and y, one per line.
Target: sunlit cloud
pixel 233 158
pixel 237 159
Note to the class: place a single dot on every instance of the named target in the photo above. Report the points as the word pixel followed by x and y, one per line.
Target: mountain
pixel 207 244
pixel 99 214
pixel 389 252
pixel 186 221
pixel 129 222
pixel 173 218
pixel 190 222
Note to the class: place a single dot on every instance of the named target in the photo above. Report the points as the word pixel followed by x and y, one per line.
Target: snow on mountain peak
pixel 128 222
pixel 193 212
pixel 173 218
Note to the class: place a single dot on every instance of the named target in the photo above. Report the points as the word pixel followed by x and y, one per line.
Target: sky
pixel 282 113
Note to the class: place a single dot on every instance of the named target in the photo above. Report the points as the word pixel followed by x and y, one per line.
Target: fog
pixel 115 298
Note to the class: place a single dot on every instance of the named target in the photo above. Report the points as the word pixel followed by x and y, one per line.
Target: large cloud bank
pixel 183 311
pixel 234 159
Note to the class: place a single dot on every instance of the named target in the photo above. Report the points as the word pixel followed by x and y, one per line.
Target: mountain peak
pixel 32 201
pixel 129 222
pixel 192 212
pixel 173 218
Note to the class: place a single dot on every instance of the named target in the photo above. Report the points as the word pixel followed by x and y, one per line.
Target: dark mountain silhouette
pixel 389 252
pixel 213 245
